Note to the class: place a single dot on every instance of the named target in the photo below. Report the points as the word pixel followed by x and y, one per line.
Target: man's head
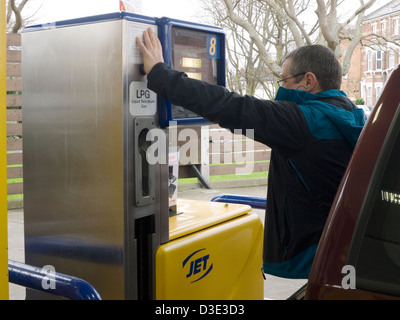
pixel 315 67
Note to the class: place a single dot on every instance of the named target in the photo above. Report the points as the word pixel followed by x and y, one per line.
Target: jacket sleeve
pixel 280 124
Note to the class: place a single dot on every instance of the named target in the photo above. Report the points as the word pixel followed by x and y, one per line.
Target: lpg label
pixel 197 265
pixel 142 101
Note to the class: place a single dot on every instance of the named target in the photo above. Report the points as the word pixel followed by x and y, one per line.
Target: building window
pixel 378 90
pixel 369 59
pixel 369 95
pixel 374 28
pixel 364 93
pixel 383 28
pixel 378 60
pixel 395 26
pixel 398 58
pixel 392 57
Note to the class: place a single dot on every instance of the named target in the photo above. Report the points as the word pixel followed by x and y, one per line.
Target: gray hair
pixel 319 60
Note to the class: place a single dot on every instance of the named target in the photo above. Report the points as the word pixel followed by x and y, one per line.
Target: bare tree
pixel 246 70
pixel 268 29
pixel 331 30
pixel 15 20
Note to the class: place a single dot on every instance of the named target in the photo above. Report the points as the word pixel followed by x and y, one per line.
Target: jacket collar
pixel 301 96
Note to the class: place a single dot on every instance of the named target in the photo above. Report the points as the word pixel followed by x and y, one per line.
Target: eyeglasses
pixel 280 82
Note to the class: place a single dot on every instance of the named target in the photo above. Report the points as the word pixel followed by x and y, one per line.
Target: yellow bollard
pixel 3 157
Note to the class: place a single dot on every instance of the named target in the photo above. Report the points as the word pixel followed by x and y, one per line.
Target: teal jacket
pixel 298 207
pixel 326 121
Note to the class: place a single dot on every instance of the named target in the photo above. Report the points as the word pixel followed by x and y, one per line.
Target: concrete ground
pixel 274 287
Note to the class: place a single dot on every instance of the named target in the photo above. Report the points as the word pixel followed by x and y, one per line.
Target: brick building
pixel 380 53
pixel 351 81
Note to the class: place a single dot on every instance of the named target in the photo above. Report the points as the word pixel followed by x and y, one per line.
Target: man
pixel 311 127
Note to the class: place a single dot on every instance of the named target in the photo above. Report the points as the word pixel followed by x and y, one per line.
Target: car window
pixel 375 249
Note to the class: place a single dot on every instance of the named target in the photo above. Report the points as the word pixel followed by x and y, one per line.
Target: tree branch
pixel 361 9
pixel 275 69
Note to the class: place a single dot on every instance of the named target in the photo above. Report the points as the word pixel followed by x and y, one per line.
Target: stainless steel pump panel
pixel 94 208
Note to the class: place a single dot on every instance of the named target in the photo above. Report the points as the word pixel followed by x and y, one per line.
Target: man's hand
pixel 151 50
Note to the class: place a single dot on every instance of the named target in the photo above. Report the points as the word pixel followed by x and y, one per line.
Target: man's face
pixel 288 80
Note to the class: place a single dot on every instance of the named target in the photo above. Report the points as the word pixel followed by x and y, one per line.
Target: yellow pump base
pixel 214 253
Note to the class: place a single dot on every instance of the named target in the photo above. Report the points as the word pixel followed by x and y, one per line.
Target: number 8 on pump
pixel 212 47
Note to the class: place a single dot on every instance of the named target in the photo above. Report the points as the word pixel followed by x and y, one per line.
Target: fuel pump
pixel 96 172
pixel 93 205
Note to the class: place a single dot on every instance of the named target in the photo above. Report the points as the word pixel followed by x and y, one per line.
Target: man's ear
pixel 312 83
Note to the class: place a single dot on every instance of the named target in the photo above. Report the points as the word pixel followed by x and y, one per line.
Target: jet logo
pixel 197 265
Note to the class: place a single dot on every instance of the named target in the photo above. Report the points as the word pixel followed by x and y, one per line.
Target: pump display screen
pixel 197 54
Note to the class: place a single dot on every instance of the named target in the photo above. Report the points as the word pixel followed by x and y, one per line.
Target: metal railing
pixel 62 285
pixel 253 201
